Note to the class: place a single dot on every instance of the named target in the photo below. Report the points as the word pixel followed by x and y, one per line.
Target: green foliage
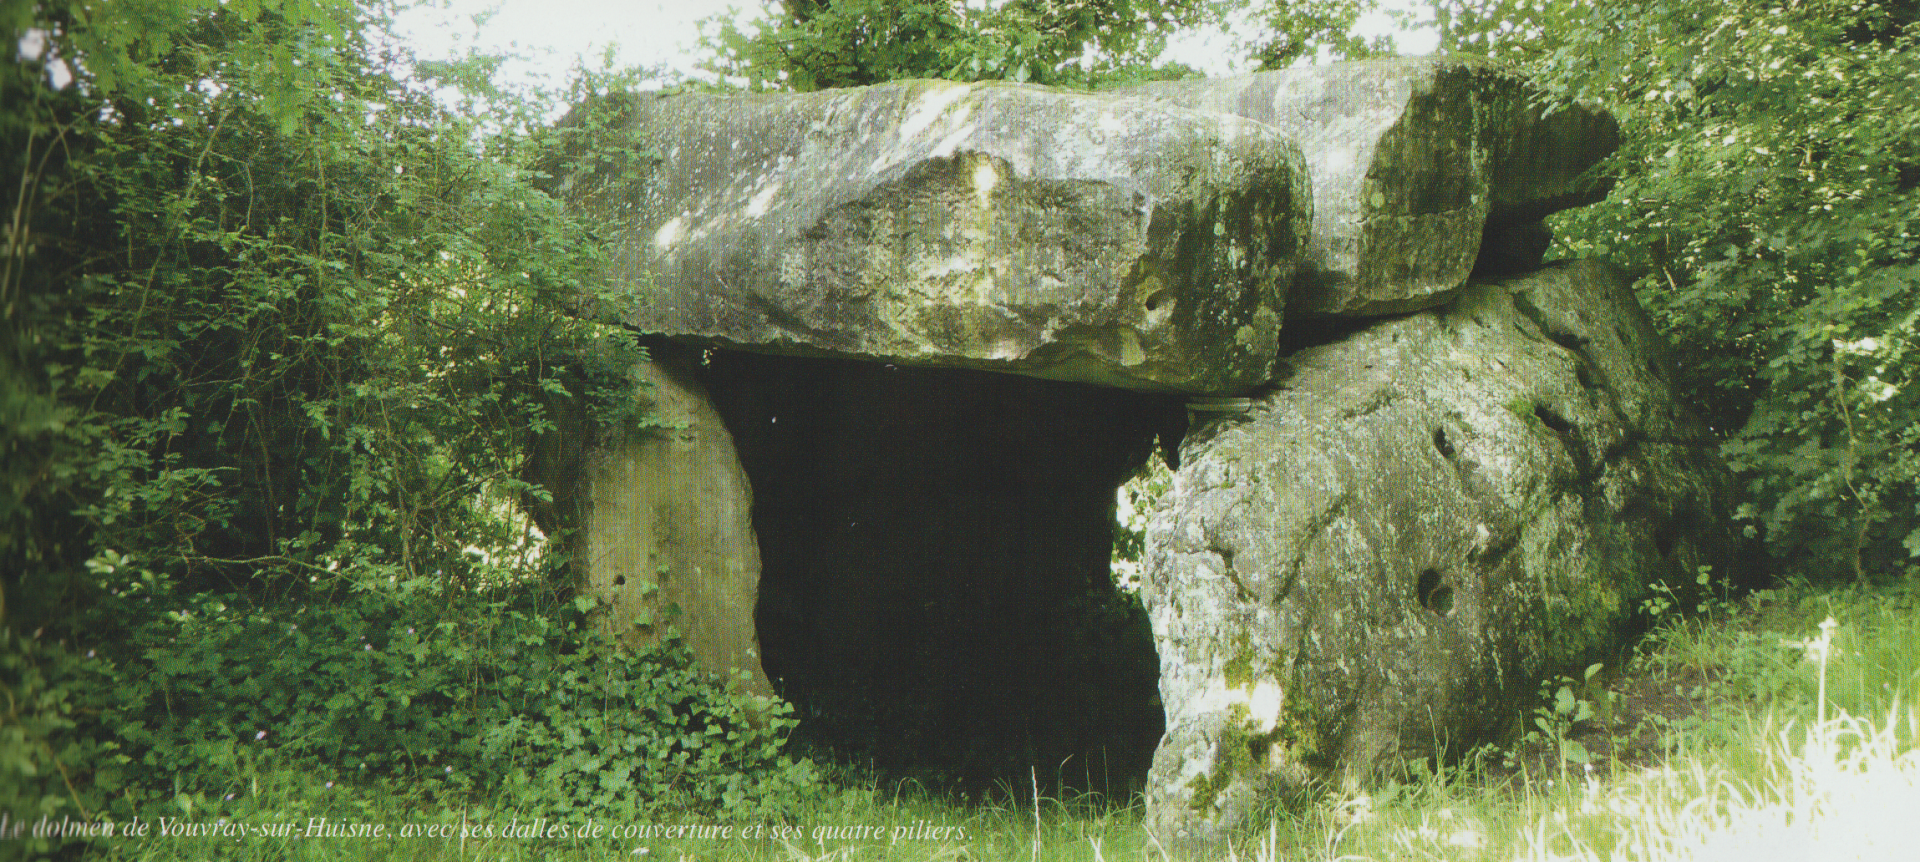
pixel 46 691
pixel 283 318
pixel 1667 605
pixel 1866 662
pixel 1767 198
pixel 506 701
pixel 1569 702
pixel 821 44
pixel 1298 31
pixel 505 698
pixel 280 327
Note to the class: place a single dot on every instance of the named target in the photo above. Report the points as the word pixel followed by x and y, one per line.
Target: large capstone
pixel 1418 519
pixel 1105 239
pixel 1419 522
pixel 1420 167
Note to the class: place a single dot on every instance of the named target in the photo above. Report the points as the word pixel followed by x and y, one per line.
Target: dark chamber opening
pixel 936 598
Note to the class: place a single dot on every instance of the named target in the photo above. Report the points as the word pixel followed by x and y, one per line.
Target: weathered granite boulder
pixel 1090 238
pixel 1419 523
pixel 665 536
pixel 1414 162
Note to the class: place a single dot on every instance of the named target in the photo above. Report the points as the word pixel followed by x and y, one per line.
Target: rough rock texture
pixel 666 539
pixel 1420 522
pixel 1091 238
pixel 1419 518
pixel 1410 160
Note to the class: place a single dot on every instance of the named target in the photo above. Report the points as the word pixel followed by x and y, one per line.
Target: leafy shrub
pixel 503 698
pixel 283 325
pixel 47 691
pixel 1767 199
pixel 279 311
pixel 845 43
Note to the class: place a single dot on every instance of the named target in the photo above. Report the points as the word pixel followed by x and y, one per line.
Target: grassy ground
pixel 1749 732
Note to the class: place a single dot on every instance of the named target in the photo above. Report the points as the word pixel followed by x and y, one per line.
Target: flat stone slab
pixel 1411 159
pixel 1104 239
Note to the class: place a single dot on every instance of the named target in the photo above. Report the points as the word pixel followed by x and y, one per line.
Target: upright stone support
pixel 1380 560
pixel 1383 558
pixel 666 537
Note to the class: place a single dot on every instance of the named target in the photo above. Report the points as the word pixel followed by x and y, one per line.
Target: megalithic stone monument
pixel 1459 476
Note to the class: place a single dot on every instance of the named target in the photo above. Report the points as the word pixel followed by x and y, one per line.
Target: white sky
pixel 642 32
pixel 664 32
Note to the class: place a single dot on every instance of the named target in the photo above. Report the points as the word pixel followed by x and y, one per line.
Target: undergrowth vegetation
pixel 1794 733
pixel 1795 739
pixel 223 707
pixel 283 313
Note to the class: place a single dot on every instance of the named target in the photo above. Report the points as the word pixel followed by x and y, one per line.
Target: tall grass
pixel 1805 753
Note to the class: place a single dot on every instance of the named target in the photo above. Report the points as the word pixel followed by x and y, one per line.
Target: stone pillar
pixel 1383 557
pixel 666 539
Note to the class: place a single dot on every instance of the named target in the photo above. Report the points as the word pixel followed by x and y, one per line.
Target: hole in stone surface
pixel 1553 420
pixel 619 580
pixel 937 597
pixel 1159 298
pixel 1665 537
pixel 1441 444
pixel 1434 593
